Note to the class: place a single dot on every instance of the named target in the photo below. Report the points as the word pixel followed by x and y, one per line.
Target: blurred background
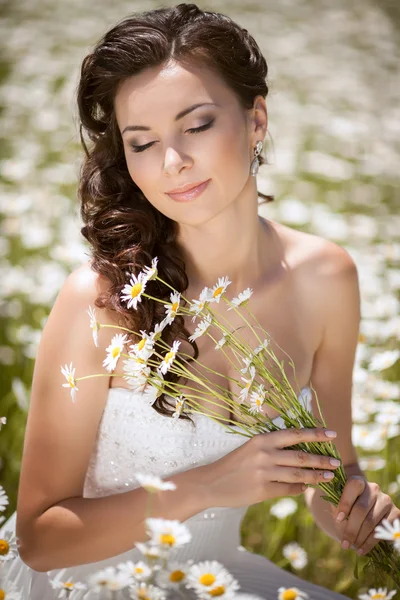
pixel 334 154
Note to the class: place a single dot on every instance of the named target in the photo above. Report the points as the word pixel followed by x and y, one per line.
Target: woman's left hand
pixel 365 505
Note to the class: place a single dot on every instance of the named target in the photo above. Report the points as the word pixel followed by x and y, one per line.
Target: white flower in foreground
pixel 132 291
pixel 201 328
pixel 3 421
pixel 150 550
pixel 136 374
pixel 219 289
pixel 8 547
pixel 140 571
pixel 384 360
pixel 169 358
pixel 109 579
pixel 261 347
pixel 69 374
pixel 114 351
pixel 257 399
pixel 158 329
pixel 58 583
pixel 3 499
pixel 179 404
pixel 9 591
pixel 94 325
pixel 168 533
pixel 242 299
pixel 150 273
pixel 172 309
pixel 153 483
pixel 248 383
pixel 150 394
pixel 221 342
pixel 283 508
pixel 379 594
pixel 197 306
pixel 389 531
pixel 210 579
pixel 296 555
pixel 292 593
pixel 174 575
pixel 247 362
pixel 144 591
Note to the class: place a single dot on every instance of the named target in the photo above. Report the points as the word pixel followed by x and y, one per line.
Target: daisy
pixel 389 531
pixel 150 394
pixel 174 575
pixel 153 483
pixel 247 362
pixel 197 306
pixel 109 579
pixel 210 578
pixel 132 291
pixel 3 499
pixel 201 328
pixel 144 591
pixel 168 533
pixel 296 555
pixel 114 351
pixel 242 299
pixel 221 342
pixel 3 421
pixel 94 325
pixel 379 594
pixel 69 374
pixel 179 404
pixel 150 550
pixel 384 360
pixel 9 591
pixel 291 594
pixel 248 383
pixel 169 358
pixel 172 309
pixel 8 547
pixel 136 374
pixel 257 399
pixel 145 348
pixel 140 571
pixel 261 347
pixel 219 289
pixel 68 585
pixel 150 273
pixel 158 329
pixel 283 508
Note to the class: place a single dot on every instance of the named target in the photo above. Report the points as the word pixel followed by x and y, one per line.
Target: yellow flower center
pixel 289 594
pixel 258 402
pixel 168 538
pixel 2 594
pixel 115 351
pixel 138 570
pixel 136 289
pixel 217 591
pixel 361 338
pixel 174 307
pixel 378 596
pixel 4 547
pixel 68 584
pixel 142 594
pixel 396 535
pixel 168 357
pixel 103 582
pixel 218 292
pixel 71 380
pixel 141 344
pixel 207 579
pixel 176 575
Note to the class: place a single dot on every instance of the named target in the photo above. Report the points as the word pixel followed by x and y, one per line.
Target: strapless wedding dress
pixel 132 437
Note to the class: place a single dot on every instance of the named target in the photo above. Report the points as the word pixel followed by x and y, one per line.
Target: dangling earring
pixel 255 162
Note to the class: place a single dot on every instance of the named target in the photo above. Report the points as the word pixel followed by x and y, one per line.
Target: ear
pixel 259 118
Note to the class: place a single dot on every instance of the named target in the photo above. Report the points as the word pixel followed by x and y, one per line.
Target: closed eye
pixel 193 130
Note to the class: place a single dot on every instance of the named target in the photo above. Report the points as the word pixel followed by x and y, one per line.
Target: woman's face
pixel 165 151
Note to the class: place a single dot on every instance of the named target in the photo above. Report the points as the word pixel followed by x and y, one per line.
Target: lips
pixel 191 192
pixel 185 188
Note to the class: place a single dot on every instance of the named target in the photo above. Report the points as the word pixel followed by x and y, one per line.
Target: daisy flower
pixel 247 362
pixel 140 571
pixel 248 383
pixel 197 306
pixel 69 586
pixel 109 579
pixel 283 508
pixel 144 591
pixel 132 291
pixel 168 533
pixel 153 483
pixel 179 404
pixel 389 531
pixel 9 591
pixel 158 329
pixel 3 421
pixel 242 299
pixel 172 309
pixel 150 550
pixel 8 547
pixel 379 594
pixel 174 575
pixel 384 360
pixel 292 593
pixel 136 374
pixel 296 555
pixel 69 374
pixel 150 394
pixel 151 272
pixel 257 399
pixel 169 358
pixel 219 289
pixel 221 342
pixel 145 348
pixel 94 325
pixel 114 351
pixel 210 578
pixel 201 328
pixel 261 347
pixel 3 499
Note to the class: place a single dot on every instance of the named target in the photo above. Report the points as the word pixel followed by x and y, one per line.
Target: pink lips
pixel 189 194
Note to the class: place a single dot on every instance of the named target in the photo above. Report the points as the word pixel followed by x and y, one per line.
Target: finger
pixel 300 458
pixel 354 486
pixel 379 511
pixel 371 541
pixel 292 436
pixel 357 516
pixel 299 475
pixel 288 489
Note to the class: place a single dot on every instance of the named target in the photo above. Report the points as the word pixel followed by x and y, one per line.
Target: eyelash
pixel 193 130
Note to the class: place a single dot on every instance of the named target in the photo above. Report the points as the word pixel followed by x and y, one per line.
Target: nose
pixel 174 161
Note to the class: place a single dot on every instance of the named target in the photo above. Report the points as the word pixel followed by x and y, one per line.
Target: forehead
pixel 160 92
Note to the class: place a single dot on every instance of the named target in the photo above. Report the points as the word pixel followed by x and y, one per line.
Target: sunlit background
pixel 334 154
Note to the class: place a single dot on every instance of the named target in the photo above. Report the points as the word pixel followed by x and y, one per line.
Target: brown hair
pixel 124 230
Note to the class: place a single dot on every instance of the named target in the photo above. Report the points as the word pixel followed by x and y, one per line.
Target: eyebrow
pixel 180 115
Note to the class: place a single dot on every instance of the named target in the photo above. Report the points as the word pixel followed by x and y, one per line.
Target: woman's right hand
pixel 262 468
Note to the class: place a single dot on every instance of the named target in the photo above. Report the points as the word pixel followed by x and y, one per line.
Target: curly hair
pixel 122 227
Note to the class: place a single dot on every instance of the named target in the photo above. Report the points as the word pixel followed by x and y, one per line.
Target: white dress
pixel 132 437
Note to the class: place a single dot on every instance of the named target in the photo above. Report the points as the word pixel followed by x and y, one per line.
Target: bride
pixel 173 101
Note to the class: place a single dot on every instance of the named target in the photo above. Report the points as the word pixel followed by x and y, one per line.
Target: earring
pixel 256 163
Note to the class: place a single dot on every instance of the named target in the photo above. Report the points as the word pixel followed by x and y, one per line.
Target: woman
pixel 173 99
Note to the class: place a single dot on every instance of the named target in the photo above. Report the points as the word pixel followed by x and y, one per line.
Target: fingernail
pixel 330 434
pixel 329 475
pixel 334 462
pixel 340 517
pixel 345 545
